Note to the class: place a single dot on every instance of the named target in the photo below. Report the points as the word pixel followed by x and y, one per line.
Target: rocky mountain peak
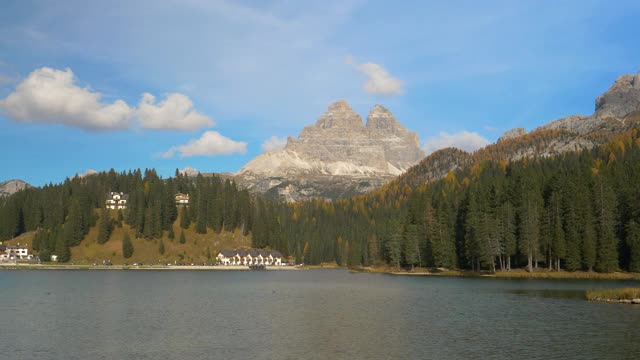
pixel 12 186
pixel 622 98
pixel 339 115
pixel 381 118
pixel 513 133
pixel 338 156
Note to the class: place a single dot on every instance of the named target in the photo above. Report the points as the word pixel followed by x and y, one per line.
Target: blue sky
pixel 170 84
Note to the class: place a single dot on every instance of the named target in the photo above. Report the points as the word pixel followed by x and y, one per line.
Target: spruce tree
pixel 62 247
pixel 171 235
pixel 127 246
pixel 607 245
pixel 161 247
pixel 185 221
pixel 410 246
pixel 182 238
pixel 633 243
pixel 104 227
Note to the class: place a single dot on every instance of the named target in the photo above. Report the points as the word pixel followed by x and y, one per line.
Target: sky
pixel 208 85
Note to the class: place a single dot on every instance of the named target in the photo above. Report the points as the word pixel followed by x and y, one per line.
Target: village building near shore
pixel 250 257
pixel 15 252
pixel 117 200
pixel 182 199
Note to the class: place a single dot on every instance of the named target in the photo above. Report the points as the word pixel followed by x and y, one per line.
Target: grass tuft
pixel 613 294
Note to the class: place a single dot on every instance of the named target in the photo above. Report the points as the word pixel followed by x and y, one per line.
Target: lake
pixel 311 314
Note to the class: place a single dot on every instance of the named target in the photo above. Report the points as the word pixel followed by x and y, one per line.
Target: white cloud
pixel 210 143
pixel 52 96
pixel 189 171
pixel 379 81
pixel 274 143
pixel 465 140
pixel 176 112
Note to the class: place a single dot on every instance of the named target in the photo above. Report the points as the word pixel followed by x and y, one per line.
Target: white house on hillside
pixel 182 199
pixel 250 257
pixel 16 252
pixel 117 200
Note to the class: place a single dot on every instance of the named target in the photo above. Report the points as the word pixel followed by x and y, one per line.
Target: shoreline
pixel 142 268
pixel 513 274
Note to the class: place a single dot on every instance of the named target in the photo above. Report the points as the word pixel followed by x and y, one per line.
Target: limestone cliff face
pixel 338 148
pixel 512 134
pixel 12 186
pixel 622 98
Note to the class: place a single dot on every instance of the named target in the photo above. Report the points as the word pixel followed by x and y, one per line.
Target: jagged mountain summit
pixel 12 186
pixel 337 156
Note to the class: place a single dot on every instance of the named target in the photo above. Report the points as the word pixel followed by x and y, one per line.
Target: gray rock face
pixel 12 186
pixel 513 133
pixel 577 123
pixel 337 149
pixel 622 98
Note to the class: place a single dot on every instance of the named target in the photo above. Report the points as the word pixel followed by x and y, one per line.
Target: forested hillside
pixel 575 211
pixel 62 215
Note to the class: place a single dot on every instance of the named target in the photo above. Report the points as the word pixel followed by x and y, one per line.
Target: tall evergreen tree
pixel 127 246
pixel 104 227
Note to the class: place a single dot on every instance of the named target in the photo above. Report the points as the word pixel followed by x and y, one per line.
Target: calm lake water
pixel 314 314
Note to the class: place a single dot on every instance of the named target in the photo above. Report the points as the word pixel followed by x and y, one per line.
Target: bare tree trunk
pixel 530 264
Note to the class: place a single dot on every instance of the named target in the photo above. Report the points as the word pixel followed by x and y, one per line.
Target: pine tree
pixel 62 247
pixel 182 238
pixel 104 227
pixel 607 245
pixel 394 245
pixel 410 246
pixel 201 220
pixel 633 243
pixel 185 221
pixel 171 235
pixel 530 226
pixel 127 246
pixel 161 247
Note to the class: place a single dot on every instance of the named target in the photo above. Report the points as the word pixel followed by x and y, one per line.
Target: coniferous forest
pixel 576 211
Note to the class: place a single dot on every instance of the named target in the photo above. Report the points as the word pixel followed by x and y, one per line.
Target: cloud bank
pixel 379 81
pixel 52 96
pixel 176 112
pixel 209 144
pixel 274 143
pixel 464 140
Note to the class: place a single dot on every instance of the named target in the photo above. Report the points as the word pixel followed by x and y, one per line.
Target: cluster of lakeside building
pixel 250 257
pixel 14 252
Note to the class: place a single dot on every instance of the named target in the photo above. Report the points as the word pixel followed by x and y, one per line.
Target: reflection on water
pixel 315 314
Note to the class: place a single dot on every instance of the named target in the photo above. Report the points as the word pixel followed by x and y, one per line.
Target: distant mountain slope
pixel 616 111
pixel 12 186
